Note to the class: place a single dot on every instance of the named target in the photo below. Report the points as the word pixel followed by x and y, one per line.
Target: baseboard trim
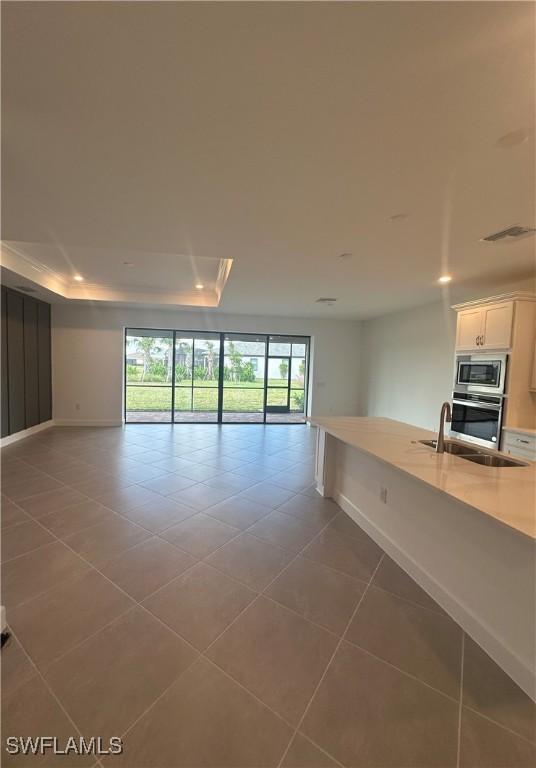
pixel 9 439
pixel 468 620
pixel 88 422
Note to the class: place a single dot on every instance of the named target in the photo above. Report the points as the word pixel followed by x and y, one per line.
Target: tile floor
pixel 186 588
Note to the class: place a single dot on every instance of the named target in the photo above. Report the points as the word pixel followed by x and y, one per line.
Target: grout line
pixel 458 748
pixel 266 706
pixel 436 612
pixel 45 683
pixel 501 725
pixel 18 557
pixel 56 659
pixel 7 560
pixel 320 749
pixel 402 671
pixel 354 612
pixel 160 696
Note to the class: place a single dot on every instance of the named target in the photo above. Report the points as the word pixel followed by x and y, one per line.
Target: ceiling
pixel 183 137
pixel 110 274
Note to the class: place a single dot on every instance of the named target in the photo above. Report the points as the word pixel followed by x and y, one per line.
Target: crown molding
pixel 502 297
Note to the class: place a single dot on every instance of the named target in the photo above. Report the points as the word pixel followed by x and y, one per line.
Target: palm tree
pixel 235 359
pixel 210 360
pixel 169 361
pixel 147 346
pixel 183 348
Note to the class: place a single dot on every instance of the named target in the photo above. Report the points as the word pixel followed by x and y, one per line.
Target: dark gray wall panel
pixel 26 386
pixel 45 373
pixel 3 342
pixel 31 373
pixel 15 361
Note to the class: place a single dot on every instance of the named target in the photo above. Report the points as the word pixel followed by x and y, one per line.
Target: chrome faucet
pixel 446 415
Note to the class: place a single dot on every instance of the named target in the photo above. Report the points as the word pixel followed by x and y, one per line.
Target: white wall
pixel 87 356
pixel 407 364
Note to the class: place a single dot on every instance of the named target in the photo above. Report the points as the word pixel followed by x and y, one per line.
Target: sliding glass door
pixel 148 375
pixel 199 376
pixel 287 372
pixel 243 378
pixel 197 369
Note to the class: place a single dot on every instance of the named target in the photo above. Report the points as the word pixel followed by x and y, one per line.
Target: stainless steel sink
pixel 489 460
pixel 452 447
pixel 475 455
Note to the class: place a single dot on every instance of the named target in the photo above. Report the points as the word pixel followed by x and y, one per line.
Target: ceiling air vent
pixel 515 232
pixel 329 302
pixel 25 289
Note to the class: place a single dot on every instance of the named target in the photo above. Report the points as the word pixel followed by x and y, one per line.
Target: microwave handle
pixel 469 404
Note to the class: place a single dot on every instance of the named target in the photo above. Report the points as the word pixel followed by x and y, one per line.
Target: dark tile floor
pixel 185 588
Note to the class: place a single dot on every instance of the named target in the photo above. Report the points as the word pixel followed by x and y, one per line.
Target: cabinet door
pixel 469 328
pixel 497 325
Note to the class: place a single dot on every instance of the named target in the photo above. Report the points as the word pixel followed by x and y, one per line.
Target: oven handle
pixel 473 404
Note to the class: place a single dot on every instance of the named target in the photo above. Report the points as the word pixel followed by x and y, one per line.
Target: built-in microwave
pixel 477 418
pixel 481 373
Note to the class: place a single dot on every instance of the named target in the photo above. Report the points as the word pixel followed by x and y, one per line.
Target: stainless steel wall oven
pixel 477 418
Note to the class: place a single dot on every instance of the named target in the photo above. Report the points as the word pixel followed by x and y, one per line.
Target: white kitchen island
pixel 465 532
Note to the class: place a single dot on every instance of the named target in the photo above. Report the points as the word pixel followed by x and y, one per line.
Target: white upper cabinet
pixel 469 329
pixel 485 327
pixel 497 324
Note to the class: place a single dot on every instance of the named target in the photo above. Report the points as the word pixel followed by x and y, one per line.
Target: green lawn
pixel 243 396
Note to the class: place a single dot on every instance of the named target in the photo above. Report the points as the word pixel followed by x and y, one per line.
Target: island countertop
pixel 507 494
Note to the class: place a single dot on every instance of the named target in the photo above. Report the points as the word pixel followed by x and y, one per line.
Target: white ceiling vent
pixel 25 288
pixel 516 232
pixel 328 302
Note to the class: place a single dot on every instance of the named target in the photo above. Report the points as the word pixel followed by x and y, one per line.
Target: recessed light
pixel 78 278
pixel 345 256
pixel 512 139
pixel 128 263
pixel 199 286
pixel 396 217
pixel 444 279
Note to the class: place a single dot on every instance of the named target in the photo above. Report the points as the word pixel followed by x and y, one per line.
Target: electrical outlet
pixel 383 495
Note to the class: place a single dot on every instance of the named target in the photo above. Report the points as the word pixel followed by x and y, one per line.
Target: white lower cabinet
pixel 520 444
